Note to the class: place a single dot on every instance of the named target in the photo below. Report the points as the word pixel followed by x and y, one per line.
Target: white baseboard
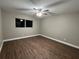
pixel 69 44
pixel 16 39
pixel 20 38
pixel 0 49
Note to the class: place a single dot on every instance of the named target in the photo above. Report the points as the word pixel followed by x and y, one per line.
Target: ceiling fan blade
pixel 56 3
pixel 45 13
pixel 51 13
pixel 45 10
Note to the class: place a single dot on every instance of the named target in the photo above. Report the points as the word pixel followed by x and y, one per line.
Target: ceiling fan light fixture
pixel 39 14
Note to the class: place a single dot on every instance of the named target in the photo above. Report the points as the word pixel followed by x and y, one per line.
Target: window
pixel 29 23
pixel 20 22
pixel 23 23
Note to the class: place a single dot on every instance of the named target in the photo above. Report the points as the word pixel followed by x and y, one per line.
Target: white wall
pixel 9 29
pixel 0 28
pixel 62 27
pixel 59 27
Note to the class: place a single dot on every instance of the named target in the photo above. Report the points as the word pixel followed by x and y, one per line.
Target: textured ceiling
pixel 67 7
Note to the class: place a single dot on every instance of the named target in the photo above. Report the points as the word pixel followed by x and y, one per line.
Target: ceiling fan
pixel 41 11
pixel 37 11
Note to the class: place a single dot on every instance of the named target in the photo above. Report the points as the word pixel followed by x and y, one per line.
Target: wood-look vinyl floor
pixel 37 48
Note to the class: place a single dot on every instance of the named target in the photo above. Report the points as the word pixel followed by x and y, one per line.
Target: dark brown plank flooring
pixel 37 48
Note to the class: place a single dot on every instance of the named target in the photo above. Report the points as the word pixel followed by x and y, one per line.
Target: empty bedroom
pixel 39 29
